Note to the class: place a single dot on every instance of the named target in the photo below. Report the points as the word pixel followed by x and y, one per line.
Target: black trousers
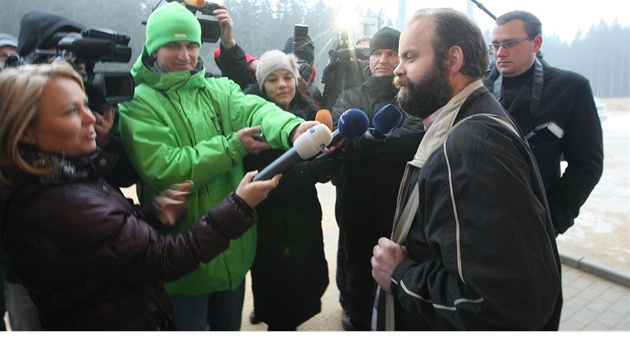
pixel 360 240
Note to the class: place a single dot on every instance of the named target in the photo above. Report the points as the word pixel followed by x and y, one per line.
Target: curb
pixel 596 268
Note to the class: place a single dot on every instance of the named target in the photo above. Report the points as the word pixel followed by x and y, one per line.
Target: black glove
pixel 363 146
pixel 321 169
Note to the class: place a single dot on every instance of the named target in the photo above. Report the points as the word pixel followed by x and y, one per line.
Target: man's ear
pixel 537 43
pixel 455 59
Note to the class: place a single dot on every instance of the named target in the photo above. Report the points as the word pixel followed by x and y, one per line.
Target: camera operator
pixel 231 59
pixel 8 45
pixel 304 50
pixel 369 176
pixel 345 69
pixel 363 42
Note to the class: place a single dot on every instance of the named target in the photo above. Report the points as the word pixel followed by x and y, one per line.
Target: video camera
pixel 346 52
pixel 344 70
pixel 83 50
pixel 210 29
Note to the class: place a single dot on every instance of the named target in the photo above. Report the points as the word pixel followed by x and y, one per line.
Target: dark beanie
pixel 385 38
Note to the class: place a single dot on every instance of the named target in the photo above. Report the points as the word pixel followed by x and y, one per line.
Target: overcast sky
pixel 562 17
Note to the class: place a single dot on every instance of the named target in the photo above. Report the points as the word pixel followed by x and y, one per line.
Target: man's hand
pixel 103 125
pixel 297 131
pixel 227 26
pixel 253 146
pixel 387 256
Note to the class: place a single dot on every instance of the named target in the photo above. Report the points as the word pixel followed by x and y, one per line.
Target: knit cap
pixel 385 38
pixel 172 22
pixel 272 61
pixel 8 40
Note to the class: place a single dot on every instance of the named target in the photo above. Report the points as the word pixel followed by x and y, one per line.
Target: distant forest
pixel 602 54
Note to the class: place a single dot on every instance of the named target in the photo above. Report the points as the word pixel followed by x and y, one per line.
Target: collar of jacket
pixel 70 169
pixel 143 73
pixel 381 87
pixel 442 124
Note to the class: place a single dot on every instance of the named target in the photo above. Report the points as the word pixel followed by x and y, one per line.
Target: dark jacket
pixel 91 260
pixel 567 99
pixel 482 249
pixel 290 272
pixel 233 65
pixel 367 185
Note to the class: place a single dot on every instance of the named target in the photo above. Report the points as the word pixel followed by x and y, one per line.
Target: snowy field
pixel 602 230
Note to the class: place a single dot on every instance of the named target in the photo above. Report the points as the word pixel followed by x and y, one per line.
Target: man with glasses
pixel 554 108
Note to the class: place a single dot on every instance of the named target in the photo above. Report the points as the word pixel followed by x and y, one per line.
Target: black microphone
pixel 307 145
pixel 386 119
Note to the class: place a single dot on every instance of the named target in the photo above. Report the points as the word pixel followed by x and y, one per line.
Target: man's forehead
pixel 414 36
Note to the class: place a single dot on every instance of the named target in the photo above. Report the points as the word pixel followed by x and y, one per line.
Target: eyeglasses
pixel 507 45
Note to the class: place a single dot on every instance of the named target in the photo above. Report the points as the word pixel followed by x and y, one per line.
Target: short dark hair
pixel 533 27
pixel 453 28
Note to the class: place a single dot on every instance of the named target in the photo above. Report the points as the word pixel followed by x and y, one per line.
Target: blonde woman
pixel 89 258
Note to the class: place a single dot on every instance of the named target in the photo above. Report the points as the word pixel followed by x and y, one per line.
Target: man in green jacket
pixel 183 126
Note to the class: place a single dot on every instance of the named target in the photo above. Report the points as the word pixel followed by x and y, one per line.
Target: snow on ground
pixel 601 231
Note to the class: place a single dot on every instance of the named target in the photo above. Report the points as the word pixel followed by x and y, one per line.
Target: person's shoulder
pixel 565 75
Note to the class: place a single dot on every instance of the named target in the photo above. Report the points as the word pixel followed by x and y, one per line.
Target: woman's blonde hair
pixel 21 89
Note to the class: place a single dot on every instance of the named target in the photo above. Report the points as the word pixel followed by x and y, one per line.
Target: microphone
pixel 307 145
pixel 325 117
pixel 386 119
pixel 352 124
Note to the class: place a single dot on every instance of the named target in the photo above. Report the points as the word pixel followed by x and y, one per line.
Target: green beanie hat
pixel 171 23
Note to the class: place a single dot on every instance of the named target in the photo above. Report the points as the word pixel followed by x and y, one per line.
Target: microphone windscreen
pixel 387 118
pixel 325 117
pixel 353 123
pixel 93 48
pixel 313 141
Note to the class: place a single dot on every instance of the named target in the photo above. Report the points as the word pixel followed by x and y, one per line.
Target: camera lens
pixel 305 71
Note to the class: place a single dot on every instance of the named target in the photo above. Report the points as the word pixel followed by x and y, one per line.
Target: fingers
pixel 179 191
pixel 187 185
pixel 249 176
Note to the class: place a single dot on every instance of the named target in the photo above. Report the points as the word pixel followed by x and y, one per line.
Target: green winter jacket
pixel 182 126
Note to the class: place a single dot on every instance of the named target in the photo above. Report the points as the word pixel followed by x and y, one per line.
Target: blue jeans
pixel 219 311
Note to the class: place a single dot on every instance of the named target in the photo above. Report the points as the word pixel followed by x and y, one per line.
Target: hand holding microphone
pixel 307 145
pixel 352 124
pixel 368 144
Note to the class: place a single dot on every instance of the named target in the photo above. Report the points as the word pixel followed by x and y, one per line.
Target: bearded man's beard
pixel 421 99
